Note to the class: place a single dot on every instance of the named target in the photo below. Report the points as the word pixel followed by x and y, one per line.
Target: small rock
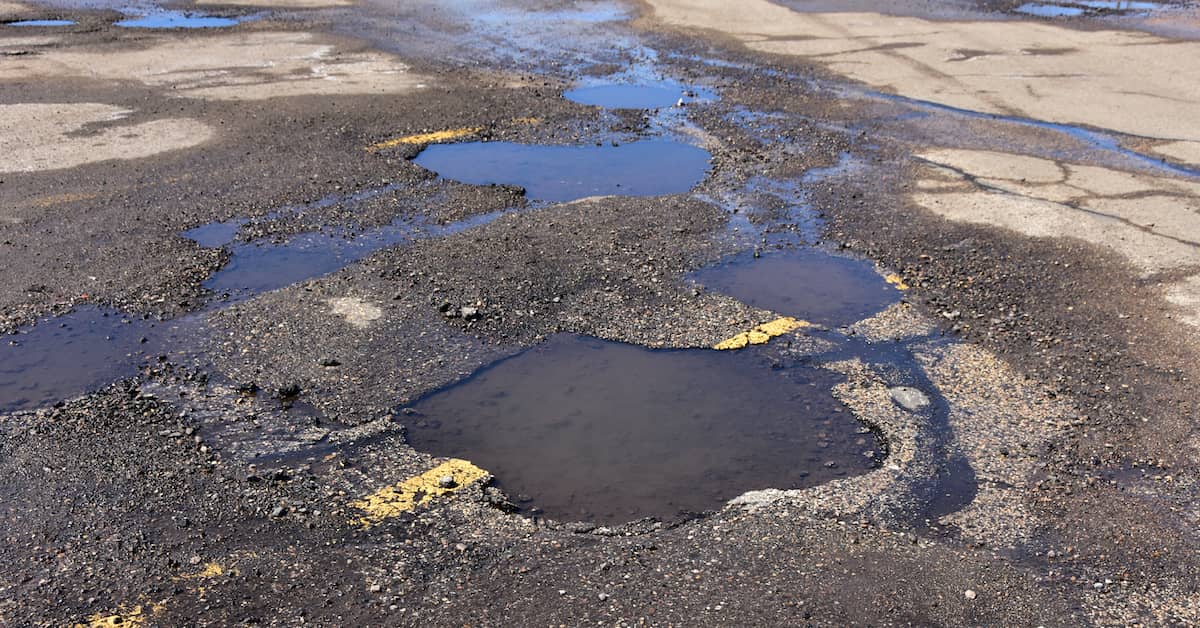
pixel 603 596
pixel 970 595
pixel 470 313
pixel 278 511
pixel 195 560
pixel 910 399
pixel 329 361
pixel 447 481
pixel 289 390
pixel 375 588
pixel 1099 586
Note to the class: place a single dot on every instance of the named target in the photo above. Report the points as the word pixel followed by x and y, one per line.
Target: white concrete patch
pixel 357 312
pixel 1187 152
pixel 233 66
pixel 46 136
pixel 1186 295
pixel 1126 81
pixel 1154 222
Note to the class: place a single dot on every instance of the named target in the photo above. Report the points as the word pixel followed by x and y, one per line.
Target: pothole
pixel 566 173
pixel 41 23
pixel 1073 8
pixel 809 284
pixel 180 19
pixel 261 266
pixel 78 352
pixel 627 96
pixel 585 429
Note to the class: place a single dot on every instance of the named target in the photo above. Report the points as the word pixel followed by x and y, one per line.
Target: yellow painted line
pixel 761 334
pixel 427 138
pixel 391 501
pixel 210 570
pixel 895 280
pixel 136 616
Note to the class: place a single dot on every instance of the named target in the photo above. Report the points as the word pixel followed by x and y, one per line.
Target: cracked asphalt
pixel 230 290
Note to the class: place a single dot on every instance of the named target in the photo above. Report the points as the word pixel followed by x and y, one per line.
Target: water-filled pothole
pixel 180 19
pixel 261 266
pixel 72 354
pixel 584 429
pixel 809 284
pixel 42 23
pixel 566 173
pixel 1073 8
pixel 633 96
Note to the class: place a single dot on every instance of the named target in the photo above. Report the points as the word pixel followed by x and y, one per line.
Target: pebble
pixel 970 595
pixel 447 481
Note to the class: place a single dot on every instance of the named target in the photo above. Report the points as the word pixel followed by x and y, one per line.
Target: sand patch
pixel 1126 81
pixel 234 66
pixel 47 136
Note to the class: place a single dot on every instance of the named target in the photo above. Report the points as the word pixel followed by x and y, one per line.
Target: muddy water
pixel 566 173
pixel 809 284
pixel 584 429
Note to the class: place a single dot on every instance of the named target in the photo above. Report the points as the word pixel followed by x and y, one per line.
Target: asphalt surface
pixel 990 287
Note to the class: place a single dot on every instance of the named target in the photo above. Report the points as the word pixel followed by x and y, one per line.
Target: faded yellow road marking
pixel 761 334
pixel 136 616
pixel 210 570
pixel 427 138
pixel 895 280
pixel 390 501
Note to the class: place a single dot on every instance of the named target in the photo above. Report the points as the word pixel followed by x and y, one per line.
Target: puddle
pixel 1049 10
pixel 566 173
pixel 585 429
pixel 617 96
pixel 180 19
pixel 72 354
pixel 1112 5
pixel 1080 7
pixel 42 23
pixel 215 235
pixel 808 284
pixel 262 266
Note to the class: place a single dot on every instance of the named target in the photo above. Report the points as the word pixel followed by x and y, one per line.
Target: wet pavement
pixel 550 313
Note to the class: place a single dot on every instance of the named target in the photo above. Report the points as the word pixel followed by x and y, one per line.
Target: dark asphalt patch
pixel 805 283
pixel 585 429
pixel 566 173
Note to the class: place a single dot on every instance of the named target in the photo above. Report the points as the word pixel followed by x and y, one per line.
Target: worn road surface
pixel 611 312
